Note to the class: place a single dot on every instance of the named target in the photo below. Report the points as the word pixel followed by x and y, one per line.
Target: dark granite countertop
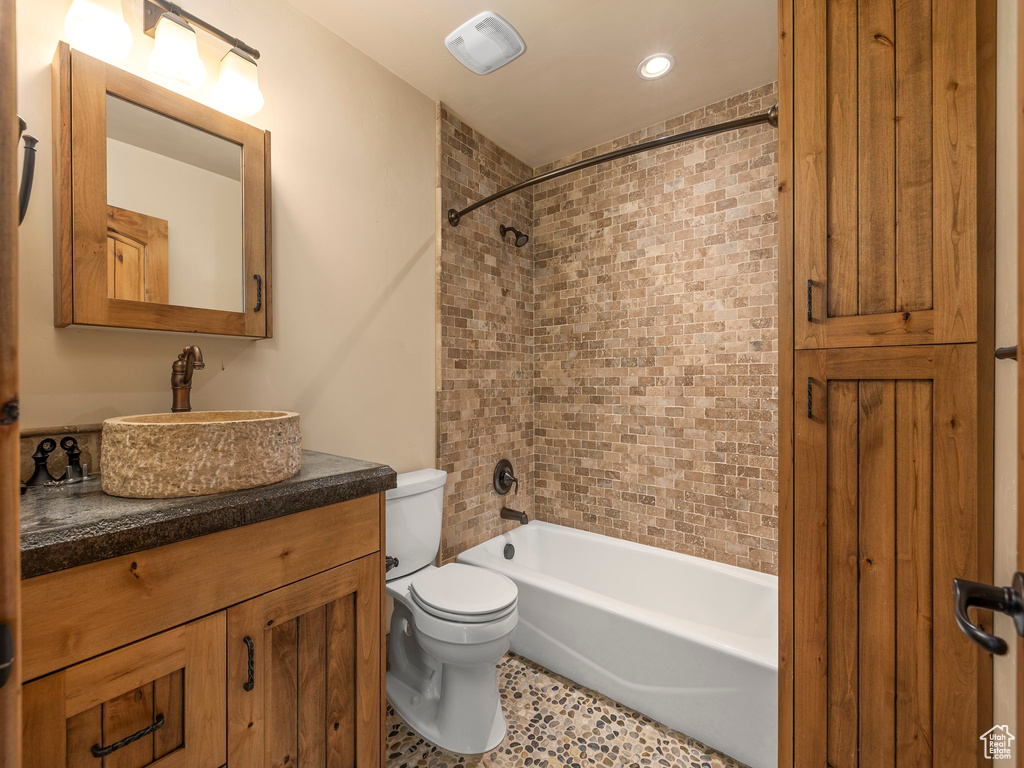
pixel 71 525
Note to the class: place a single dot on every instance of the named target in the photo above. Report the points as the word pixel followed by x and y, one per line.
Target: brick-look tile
pixel 626 359
pixel 485 347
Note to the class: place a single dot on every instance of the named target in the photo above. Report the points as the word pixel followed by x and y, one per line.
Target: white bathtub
pixel 691 643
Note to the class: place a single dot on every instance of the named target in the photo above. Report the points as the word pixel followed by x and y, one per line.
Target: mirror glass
pixel 174 212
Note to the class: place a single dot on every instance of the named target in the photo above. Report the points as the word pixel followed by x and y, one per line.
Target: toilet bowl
pixel 449 629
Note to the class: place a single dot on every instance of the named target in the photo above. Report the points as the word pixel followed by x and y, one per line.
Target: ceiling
pixel 576 85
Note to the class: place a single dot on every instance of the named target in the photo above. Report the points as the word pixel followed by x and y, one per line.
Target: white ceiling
pixel 576 85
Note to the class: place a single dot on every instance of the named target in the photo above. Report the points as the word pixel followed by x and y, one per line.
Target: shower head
pixel 521 239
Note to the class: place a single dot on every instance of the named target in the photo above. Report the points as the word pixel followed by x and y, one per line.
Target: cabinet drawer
pixel 158 702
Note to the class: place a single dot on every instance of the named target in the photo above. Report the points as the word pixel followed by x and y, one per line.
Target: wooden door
pixel 887 512
pixel 137 268
pixel 885 126
pixel 304 672
pixel 10 463
pixel 159 702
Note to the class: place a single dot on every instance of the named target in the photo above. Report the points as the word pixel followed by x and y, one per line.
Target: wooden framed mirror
pixel 161 207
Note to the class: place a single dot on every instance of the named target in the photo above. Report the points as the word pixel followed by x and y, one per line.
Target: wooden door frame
pixel 1020 360
pixel 10 464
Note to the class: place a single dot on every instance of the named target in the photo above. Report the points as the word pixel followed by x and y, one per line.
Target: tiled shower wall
pixel 485 335
pixel 649 332
pixel 656 288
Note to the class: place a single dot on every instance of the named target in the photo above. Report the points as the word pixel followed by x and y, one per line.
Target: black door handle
pixel 28 171
pixel 1008 600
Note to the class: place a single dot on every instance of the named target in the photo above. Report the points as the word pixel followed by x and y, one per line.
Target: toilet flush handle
pixel 389 563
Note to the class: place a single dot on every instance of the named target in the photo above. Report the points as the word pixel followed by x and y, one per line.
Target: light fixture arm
pixel 157 8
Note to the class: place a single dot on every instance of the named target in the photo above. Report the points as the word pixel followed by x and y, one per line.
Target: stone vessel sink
pixel 170 455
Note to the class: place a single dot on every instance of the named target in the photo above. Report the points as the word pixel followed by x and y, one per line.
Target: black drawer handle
pixel 249 684
pixel 810 301
pixel 98 751
pixel 259 293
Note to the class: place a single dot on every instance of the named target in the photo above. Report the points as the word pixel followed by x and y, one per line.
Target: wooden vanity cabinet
pixel 255 646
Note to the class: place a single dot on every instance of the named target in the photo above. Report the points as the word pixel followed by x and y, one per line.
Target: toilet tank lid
pixel 418 482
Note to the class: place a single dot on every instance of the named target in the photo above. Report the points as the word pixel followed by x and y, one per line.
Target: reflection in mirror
pixel 174 212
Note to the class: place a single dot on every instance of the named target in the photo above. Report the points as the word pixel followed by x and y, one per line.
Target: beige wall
pixel 1006 335
pixel 354 176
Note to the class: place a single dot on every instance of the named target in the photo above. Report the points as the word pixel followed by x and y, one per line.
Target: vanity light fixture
pixel 98 28
pixel 656 65
pixel 175 56
pixel 237 91
pixel 238 87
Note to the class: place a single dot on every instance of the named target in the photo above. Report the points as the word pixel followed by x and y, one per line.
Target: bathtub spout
pixel 511 514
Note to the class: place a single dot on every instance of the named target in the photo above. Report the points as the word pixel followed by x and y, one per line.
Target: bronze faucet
pixel 511 514
pixel 190 359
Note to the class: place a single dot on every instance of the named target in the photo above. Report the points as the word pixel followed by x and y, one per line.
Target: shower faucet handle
pixel 505 478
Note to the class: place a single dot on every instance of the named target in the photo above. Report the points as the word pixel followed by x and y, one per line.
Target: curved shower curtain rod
pixel 771 117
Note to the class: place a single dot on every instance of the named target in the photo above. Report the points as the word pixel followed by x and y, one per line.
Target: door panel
pixel 887 513
pixel 314 700
pixel 137 248
pixel 159 702
pixel 886 208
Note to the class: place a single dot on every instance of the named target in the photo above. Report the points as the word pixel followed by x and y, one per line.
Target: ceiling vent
pixel 485 43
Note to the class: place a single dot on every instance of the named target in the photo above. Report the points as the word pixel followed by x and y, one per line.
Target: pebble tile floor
pixel 553 722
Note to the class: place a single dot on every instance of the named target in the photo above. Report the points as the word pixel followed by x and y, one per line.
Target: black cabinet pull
pixel 810 301
pixel 98 751
pixel 259 293
pixel 249 684
pixel 810 398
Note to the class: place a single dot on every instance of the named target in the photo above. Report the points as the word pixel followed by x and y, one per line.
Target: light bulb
pixel 97 27
pixel 175 57
pixel 238 88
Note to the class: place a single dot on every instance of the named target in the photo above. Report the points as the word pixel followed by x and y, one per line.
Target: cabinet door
pixel 304 673
pixel 887 137
pixel 887 511
pixel 159 702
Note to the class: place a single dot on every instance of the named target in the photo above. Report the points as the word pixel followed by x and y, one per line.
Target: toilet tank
pixel 414 520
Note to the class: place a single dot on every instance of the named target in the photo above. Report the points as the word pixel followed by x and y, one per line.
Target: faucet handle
pixel 505 478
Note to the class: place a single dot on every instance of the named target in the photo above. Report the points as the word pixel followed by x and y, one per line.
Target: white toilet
pixel 450 627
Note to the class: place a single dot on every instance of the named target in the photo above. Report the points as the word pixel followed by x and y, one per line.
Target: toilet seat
pixel 464 593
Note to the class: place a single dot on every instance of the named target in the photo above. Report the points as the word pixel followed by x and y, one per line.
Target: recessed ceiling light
pixel 656 65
